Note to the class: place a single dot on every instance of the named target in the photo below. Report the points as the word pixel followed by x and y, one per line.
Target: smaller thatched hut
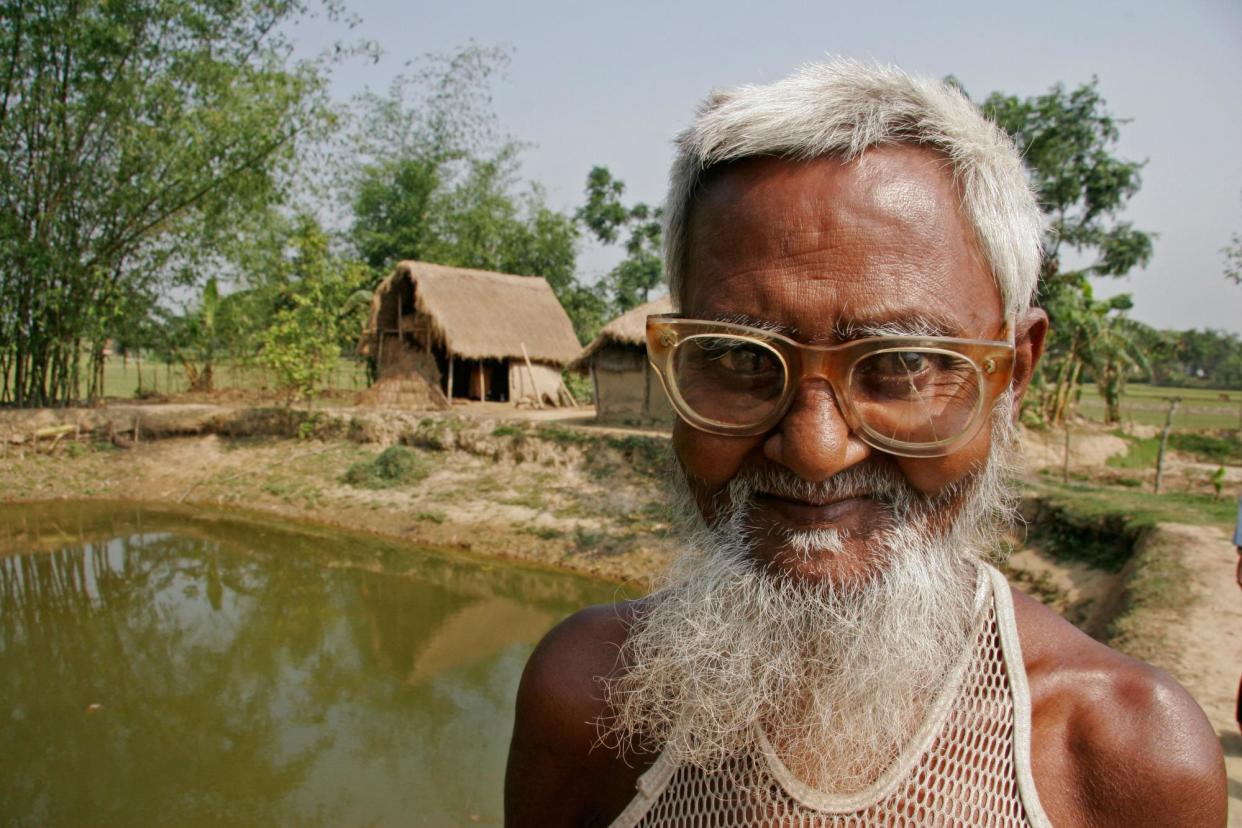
pixel 627 388
pixel 438 333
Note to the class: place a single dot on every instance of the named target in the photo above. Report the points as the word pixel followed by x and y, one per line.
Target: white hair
pixel 842 108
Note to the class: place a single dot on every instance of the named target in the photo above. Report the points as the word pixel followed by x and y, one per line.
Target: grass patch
pixel 394 466
pixel 1139 509
pixel 1140 455
pixel 1226 448
pixel 508 430
pixel 527 500
pixel 648 455
pixel 562 436
pixel 431 517
pixel 1158 582
pixel 1099 526
pixel 1223 448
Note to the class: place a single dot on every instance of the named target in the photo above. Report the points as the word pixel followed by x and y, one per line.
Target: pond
pixel 188 667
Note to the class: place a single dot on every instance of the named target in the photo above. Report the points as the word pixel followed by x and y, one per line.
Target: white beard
pixel 837 675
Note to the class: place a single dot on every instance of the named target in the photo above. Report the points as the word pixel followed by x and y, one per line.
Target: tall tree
pixel 642 270
pixel 436 180
pixel 133 133
pixel 1068 139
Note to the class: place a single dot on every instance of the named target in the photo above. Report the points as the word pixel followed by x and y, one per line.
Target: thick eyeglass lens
pixel 728 379
pixel 915 396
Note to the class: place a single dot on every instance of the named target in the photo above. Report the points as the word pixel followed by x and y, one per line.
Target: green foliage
pixel 1207 358
pixel 1218 482
pixel 580 386
pixel 641 271
pixel 1090 338
pixel 135 136
pixel 301 342
pixel 394 466
pixel 1067 139
pixel 435 182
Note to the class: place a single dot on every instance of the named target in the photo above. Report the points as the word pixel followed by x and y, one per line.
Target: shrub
pixel 394 466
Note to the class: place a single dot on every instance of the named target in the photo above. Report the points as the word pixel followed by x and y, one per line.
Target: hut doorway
pixel 474 379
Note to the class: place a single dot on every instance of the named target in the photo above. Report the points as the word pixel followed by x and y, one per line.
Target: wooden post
pixel 1164 439
pixel 1065 464
pixel 531 371
pixel 595 389
pixel 450 378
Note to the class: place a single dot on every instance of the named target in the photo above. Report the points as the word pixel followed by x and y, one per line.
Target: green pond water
pixel 184 667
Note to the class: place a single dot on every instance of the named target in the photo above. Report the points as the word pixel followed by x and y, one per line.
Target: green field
pixel 1148 405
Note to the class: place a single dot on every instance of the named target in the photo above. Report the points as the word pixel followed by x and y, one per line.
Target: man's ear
pixel 1032 328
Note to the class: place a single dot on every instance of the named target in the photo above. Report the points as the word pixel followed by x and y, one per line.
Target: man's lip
pixel 804 513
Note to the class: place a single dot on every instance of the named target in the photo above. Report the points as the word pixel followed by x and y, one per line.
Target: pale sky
pixel 611 84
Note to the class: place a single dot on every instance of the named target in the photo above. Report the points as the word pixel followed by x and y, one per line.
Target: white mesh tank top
pixel 968 766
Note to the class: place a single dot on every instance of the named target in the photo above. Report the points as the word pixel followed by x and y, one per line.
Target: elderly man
pixel 853 253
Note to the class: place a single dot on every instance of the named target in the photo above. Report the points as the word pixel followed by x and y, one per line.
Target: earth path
pixel 1204 646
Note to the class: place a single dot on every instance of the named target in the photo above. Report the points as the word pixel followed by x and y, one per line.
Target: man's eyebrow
pixel 753 322
pixel 917 324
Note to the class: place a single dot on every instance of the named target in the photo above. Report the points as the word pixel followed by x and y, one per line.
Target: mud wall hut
pixel 437 333
pixel 627 388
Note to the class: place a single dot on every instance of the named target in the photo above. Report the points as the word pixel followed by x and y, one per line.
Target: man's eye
pixel 901 362
pixel 743 359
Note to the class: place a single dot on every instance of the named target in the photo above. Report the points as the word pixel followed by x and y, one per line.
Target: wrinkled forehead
pixel 822 248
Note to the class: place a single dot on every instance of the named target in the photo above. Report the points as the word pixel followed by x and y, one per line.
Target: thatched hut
pixel 627 388
pixel 438 333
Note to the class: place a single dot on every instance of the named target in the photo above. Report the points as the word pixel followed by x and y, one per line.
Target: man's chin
pixel 820 556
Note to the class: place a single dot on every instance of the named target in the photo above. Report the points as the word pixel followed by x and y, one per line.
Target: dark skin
pixel 814 247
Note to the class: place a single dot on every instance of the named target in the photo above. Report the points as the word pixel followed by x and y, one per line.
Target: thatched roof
pixel 477 314
pixel 630 328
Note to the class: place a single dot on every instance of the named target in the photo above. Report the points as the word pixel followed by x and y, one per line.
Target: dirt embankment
pixel 588 500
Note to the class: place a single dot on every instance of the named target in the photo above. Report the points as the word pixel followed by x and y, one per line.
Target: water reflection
pixel 185 668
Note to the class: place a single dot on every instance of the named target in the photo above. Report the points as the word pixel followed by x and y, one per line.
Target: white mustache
pixel 877 481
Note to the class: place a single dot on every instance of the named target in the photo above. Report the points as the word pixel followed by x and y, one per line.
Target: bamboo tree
pixel 134 134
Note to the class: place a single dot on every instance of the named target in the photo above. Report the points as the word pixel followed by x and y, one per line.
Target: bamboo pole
pixel 531 371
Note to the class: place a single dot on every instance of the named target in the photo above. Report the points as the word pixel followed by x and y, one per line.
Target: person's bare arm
pixel 557 775
pixel 1115 742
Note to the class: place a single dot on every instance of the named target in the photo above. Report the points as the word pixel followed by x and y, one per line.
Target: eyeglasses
pixel 914 396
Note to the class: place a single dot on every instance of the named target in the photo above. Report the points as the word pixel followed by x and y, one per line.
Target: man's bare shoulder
pixel 1114 741
pixel 558 773
pixel 563 672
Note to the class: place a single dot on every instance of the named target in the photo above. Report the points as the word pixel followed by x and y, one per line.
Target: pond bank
pixel 586 500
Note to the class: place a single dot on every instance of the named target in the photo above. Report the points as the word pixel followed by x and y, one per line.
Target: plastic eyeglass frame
pixel 993 362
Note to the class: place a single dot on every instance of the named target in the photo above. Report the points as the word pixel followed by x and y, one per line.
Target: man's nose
pixel 813 440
